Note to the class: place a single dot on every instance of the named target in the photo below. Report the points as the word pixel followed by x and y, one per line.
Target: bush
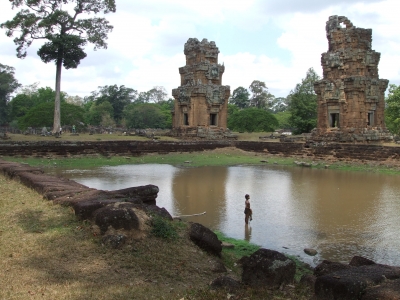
pixel 252 120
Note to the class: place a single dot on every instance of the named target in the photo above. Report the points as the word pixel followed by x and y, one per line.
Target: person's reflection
pixel 247 232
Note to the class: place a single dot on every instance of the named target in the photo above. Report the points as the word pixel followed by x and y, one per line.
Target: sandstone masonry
pixel 350 95
pixel 201 100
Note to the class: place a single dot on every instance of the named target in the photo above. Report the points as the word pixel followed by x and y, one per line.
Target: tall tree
pixel 260 98
pixel 157 94
pixel 8 84
pixel 60 23
pixel 118 97
pixel 392 111
pixel 279 104
pixel 303 104
pixel 240 97
pixel 29 89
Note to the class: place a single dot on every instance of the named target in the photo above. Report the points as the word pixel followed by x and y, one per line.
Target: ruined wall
pixel 133 148
pixel 350 95
pixel 201 100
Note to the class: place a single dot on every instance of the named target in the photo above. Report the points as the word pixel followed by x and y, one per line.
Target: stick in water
pixel 203 213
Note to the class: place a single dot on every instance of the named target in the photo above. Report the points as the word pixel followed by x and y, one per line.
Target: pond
pixel 340 214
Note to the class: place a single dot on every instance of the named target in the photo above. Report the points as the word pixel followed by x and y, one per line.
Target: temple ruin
pixel 201 101
pixel 350 96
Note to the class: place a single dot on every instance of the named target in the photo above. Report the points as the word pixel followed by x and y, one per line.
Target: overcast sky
pixel 268 40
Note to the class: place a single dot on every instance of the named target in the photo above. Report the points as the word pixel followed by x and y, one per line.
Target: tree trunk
pixel 57 110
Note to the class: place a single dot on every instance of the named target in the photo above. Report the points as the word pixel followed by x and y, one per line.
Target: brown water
pixel 340 214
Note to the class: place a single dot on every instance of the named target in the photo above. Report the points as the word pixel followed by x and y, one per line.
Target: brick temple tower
pixel 201 100
pixel 350 95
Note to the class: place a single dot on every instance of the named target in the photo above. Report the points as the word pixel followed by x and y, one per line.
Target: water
pixel 340 214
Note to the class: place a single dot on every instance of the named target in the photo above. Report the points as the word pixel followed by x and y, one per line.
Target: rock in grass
pixel 311 252
pixel 205 239
pixel 268 268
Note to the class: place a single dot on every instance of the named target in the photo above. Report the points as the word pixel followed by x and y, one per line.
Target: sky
pixel 267 40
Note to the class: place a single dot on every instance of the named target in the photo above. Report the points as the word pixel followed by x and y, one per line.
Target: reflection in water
pixel 247 232
pixel 340 214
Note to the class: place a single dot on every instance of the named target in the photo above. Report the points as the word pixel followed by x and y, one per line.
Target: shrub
pixel 163 228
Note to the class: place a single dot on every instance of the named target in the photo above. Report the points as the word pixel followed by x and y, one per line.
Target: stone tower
pixel 350 95
pixel 201 100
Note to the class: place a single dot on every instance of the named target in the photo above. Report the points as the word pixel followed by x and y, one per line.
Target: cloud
pixel 306 6
pixel 271 41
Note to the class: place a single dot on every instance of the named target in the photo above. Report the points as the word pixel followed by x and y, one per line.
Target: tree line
pixel 108 106
pixel 252 110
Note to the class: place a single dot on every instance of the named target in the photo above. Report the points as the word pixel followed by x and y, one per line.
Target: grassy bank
pixel 48 254
pixel 85 137
pixel 218 157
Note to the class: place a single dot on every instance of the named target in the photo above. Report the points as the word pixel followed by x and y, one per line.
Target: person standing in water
pixel 247 210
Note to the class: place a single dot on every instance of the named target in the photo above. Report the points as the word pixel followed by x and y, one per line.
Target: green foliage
pixel 253 119
pixel 146 115
pixel 279 104
pixel 232 109
pixel 60 23
pixel 68 46
pixel 303 104
pixel 242 248
pixel 42 115
pixel 163 228
pixel 46 94
pixel 8 84
pixel 166 107
pixel 260 98
pixel 392 111
pixel 283 119
pixel 29 98
pixel 98 112
pixel 51 20
pixel 240 97
pixel 20 105
pixel 118 97
pixel 157 94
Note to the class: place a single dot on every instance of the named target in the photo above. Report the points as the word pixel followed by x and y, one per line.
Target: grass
pixel 244 248
pixel 218 157
pixel 163 228
pixel 83 137
pixel 48 254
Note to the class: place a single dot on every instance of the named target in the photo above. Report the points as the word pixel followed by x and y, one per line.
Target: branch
pixel 203 213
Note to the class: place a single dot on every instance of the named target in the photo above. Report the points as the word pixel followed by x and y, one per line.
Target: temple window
pixel 185 119
pixel 334 120
pixel 213 119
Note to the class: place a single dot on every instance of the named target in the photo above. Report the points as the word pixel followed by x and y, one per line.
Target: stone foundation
pixel 351 135
pixel 311 149
pixel 202 132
